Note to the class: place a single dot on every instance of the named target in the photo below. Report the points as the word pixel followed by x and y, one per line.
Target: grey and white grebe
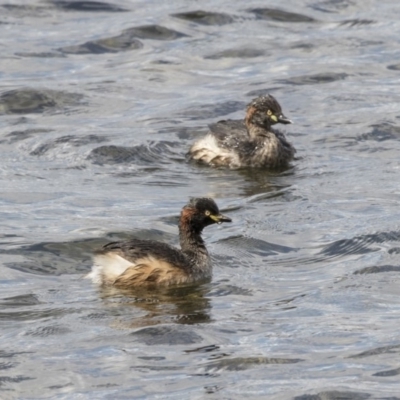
pixel 249 143
pixel 149 263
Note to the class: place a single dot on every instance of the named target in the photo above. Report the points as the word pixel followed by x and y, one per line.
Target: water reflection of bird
pixel 183 304
pixel 147 263
pixel 248 143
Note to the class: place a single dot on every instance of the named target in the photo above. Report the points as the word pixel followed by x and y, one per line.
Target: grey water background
pixel 99 103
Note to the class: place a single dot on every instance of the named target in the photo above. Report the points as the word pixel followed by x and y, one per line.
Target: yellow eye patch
pixel 274 118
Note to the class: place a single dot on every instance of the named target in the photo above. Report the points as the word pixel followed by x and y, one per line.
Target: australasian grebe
pixel 248 143
pixel 147 263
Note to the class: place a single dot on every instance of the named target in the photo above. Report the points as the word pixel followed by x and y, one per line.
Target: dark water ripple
pixel 4 380
pixel 106 45
pixel 243 363
pixel 48 331
pixel 19 135
pixel 275 14
pixel 377 351
pixel 154 32
pixel 90 6
pixel 332 6
pixel 359 245
pixel 394 67
pixel 26 316
pixel 226 290
pixel 391 372
pixel 27 100
pixel 381 133
pixel 5 354
pixel 378 269
pixel 244 247
pixel 55 258
pixel 6 365
pixel 255 246
pixel 357 22
pixel 140 155
pixel 172 335
pixel 126 41
pixel 75 141
pixel 22 10
pixel 315 79
pixel 334 395
pixel 205 17
pixel 44 54
pixel 237 53
pixel 20 301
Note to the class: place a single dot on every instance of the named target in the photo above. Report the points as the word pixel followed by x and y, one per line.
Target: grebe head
pixel 265 111
pixel 201 212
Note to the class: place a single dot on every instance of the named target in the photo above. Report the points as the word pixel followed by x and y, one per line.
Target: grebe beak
pixel 220 218
pixel 283 120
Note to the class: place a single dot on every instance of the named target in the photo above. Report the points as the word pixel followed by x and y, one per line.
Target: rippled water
pixel 99 103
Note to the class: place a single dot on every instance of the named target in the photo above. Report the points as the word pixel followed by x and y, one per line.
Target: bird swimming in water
pixel 148 263
pixel 249 143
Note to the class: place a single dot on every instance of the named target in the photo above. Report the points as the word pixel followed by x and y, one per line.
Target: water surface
pixel 99 103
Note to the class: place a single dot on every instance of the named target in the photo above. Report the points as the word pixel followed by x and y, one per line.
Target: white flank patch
pixel 207 149
pixel 107 267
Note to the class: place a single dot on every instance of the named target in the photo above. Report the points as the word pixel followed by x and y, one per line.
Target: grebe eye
pixel 207 213
pixel 269 112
